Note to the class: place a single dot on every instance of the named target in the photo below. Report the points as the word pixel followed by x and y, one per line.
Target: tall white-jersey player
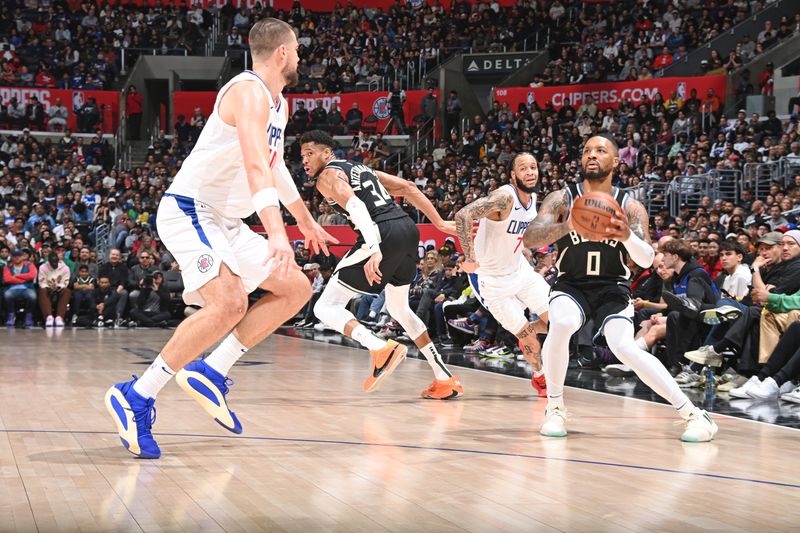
pixel 235 168
pixel 502 279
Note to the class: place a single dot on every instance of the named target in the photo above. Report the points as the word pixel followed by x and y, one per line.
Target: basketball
pixel 591 214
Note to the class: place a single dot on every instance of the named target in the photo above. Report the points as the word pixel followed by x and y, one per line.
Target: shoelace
pixel 147 417
pixel 226 385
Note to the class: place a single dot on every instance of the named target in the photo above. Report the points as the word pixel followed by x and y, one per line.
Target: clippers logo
pixel 381 107
pixel 204 263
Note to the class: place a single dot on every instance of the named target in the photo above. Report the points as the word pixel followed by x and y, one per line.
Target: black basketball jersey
pixel 583 261
pixel 369 189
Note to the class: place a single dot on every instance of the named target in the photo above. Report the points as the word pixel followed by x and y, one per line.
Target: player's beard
pixel 596 175
pixel 290 76
pixel 524 188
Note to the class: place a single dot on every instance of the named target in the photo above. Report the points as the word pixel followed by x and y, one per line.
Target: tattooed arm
pixel 550 223
pixel 497 205
pixel 632 229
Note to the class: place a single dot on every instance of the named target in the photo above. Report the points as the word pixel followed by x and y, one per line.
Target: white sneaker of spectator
pixel 742 392
pixel 793 396
pixel 48 322
pixel 59 322
pixel 769 389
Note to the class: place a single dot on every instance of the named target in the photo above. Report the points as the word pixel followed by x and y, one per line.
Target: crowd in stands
pixel 346 50
pixel 74 44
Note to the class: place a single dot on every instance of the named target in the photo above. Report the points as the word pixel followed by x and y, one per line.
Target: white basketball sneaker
pixel 699 427
pixel 742 392
pixel 554 422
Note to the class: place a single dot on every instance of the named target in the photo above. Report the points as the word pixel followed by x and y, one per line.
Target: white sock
pixel 434 358
pixel 226 354
pixel 641 343
pixel 154 378
pixel 539 373
pixel 686 409
pixel 365 338
pixel 619 334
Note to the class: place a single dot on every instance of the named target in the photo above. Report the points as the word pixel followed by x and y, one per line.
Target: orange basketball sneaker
pixel 540 384
pixel 384 361
pixel 444 389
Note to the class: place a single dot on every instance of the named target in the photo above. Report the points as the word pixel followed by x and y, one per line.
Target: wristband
pixel 266 197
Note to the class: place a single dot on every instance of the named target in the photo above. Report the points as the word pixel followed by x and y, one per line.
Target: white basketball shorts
pixel 507 297
pixel 201 240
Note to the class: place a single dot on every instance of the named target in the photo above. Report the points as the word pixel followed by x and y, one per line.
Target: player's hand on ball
pixel 372 268
pixel 618 228
pixel 469 266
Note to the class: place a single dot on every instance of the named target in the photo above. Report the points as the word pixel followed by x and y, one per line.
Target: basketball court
pixel 319 454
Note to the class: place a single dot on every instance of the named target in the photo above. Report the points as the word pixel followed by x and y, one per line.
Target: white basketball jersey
pixel 498 244
pixel 213 173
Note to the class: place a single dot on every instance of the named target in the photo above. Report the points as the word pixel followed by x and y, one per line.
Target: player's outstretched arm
pixel 408 190
pixel 497 204
pixel 551 221
pixel 247 105
pixel 631 228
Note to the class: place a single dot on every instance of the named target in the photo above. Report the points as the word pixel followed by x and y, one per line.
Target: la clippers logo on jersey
pixel 204 263
pixel 515 227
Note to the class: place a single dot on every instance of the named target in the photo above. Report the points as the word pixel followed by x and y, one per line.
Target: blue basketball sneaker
pixel 134 415
pixel 209 388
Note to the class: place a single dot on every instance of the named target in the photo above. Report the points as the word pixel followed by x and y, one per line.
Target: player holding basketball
pixel 593 283
pixel 500 276
pixel 384 256
pixel 236 167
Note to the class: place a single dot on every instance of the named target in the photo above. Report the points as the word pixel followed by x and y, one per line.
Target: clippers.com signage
pixel 107 102
pixel 370 103
pixel 607 95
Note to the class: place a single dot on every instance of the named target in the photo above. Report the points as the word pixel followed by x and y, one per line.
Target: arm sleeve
pixel 640 251
pixel 287 190
pixel 363 223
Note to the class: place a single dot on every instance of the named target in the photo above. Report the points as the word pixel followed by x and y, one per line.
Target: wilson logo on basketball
pixel 204 263
pixel 599 205
pixel 380 107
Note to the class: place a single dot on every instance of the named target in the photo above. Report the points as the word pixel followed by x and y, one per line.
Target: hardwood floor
pixel 318 454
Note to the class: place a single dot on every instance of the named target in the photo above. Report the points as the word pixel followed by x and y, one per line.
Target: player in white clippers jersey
pixel 502 279
pixel 235 168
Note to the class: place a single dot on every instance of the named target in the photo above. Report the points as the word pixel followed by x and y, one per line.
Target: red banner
pixel 607 95
pixel 370 103
pixel 428 236
pixel 107 102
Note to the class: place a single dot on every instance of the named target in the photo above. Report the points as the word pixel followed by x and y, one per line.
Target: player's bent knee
pixel 565 323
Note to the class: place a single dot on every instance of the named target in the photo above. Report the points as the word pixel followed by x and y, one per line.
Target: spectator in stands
pixel 319 116
pixel 151 302
pixel 353 119
pixel 118 276
pixel 53 278
pixel 766 79
pixel 396 99
pixel 335 121
pixel 133 112
pixel 58 116
pixel 18 280
pixel 452 111
pixel 774 324
pixel 88 115
pixel 300 118
pixel 83 290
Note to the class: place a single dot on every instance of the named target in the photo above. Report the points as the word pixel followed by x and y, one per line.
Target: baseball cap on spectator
pixel 310 266
pixel 772 238
pixel 544 250
pixel 17 252
pixel 794 234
